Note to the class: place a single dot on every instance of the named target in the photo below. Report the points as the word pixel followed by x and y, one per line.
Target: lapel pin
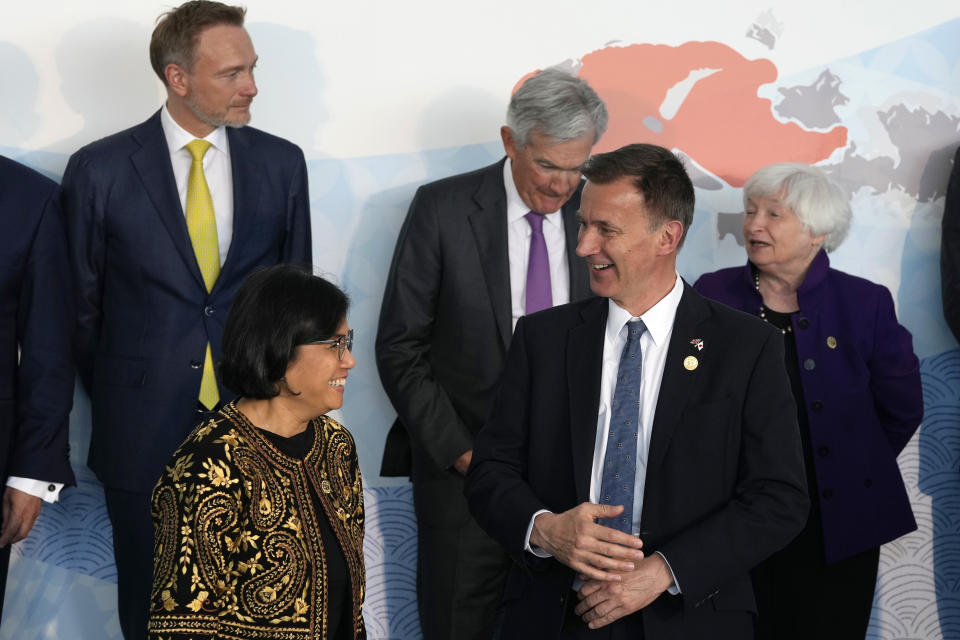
pixel 698 343
pixel 831 342
pixel 690 363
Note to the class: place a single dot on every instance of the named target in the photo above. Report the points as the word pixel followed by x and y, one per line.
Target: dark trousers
pixel 626 628
pixel 460 569
pixel 133 551
pixel 4 563
pixel 800 596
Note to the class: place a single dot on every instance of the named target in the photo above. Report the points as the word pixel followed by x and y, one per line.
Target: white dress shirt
pixel 518 247
pixel 46 491
pixel 217 169
pixel 654 344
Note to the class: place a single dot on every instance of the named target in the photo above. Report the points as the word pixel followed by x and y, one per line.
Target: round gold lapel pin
pixel 690 363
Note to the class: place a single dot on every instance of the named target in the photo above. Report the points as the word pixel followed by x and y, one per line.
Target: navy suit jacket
pixel 144 314
pixel 36 310
pixel 724 485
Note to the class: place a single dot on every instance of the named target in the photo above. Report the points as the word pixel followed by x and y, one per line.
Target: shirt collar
pixel 516 208
pixel 177 137
pixel 658 318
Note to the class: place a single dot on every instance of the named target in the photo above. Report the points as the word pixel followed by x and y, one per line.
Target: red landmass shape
pixel 722 124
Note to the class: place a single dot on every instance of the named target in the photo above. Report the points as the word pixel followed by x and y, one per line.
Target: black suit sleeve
pixel 950 251
pixel 298 246
pixel 45 376
pixel 404 337
pixel 85 233
pixel 769 505
pixel 499 496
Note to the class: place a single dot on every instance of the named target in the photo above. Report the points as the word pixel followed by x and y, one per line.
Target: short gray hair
pixel 818 202
pixel 557 105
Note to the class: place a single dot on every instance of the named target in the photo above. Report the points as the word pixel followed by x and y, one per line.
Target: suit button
pixel 816 405
pixel 803 323
pixel 827 494
pixel 809 364
pixel 208 310
pixel 823 451
pixel 868 482
pixel 195 364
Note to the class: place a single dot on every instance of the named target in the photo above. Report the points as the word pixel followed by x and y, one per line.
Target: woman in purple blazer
pixel 857 385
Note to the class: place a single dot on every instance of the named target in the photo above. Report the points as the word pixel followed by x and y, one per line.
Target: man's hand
pixel 575 539
pixel 20 511
pixel 603 602
pixel 463 462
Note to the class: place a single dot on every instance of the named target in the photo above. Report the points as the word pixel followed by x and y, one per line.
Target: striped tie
pixel 202 227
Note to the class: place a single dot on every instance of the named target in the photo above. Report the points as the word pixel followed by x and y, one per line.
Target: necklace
pixel 763 312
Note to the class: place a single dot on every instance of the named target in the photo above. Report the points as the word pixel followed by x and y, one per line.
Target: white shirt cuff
pixel 673 589
pixel 46 491
pixel 537 551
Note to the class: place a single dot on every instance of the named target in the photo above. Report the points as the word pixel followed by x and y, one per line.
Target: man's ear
pixel 178 80
pixel 670 234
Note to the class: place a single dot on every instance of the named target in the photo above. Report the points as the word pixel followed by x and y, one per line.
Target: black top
pixel 338 587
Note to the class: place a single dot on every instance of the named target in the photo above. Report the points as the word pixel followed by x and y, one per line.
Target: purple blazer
pixel 861 384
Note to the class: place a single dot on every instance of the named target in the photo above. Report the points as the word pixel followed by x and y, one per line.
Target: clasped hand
pixel 602 602
pixel 592 550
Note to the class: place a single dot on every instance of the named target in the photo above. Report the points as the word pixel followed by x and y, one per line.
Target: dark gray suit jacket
pixel 445 324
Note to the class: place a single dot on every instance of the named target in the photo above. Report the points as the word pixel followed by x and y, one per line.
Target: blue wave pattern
pixel 918 589
pixel 75 533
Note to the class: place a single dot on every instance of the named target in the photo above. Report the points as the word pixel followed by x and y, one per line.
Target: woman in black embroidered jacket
pixel 259 515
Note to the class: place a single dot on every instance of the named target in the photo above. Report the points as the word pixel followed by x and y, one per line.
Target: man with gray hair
pixel 477 252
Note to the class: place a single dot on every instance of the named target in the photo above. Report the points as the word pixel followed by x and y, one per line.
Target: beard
pixel 214 119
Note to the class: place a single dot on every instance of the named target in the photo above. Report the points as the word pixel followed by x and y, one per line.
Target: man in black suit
pixel 477 252
pixel 165 221
pixel 663 415
pixel 36 371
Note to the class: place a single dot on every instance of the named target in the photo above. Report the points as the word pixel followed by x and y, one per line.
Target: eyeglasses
pixel 343 343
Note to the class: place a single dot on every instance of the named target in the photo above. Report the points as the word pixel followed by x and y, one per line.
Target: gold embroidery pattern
pixel 238 549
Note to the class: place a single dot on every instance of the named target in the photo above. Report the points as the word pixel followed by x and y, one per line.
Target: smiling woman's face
pixel 318 375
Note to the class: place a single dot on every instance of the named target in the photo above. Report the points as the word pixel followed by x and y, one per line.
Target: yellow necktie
pixel 202 227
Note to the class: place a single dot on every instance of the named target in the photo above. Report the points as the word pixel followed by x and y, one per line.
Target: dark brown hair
pixel 658 175
pixel 174 40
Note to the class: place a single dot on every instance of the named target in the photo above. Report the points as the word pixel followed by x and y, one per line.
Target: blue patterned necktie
pixel 620 461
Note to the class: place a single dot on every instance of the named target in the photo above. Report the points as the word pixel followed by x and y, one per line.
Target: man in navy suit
pixel 642 453
pixel 36 372
pixel 153 291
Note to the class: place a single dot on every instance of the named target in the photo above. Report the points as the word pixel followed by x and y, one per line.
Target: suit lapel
pixel 677 381
pixel 247 170
pixel 579 276
pixel 152 163
pixel 584 361
pixel 489 225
